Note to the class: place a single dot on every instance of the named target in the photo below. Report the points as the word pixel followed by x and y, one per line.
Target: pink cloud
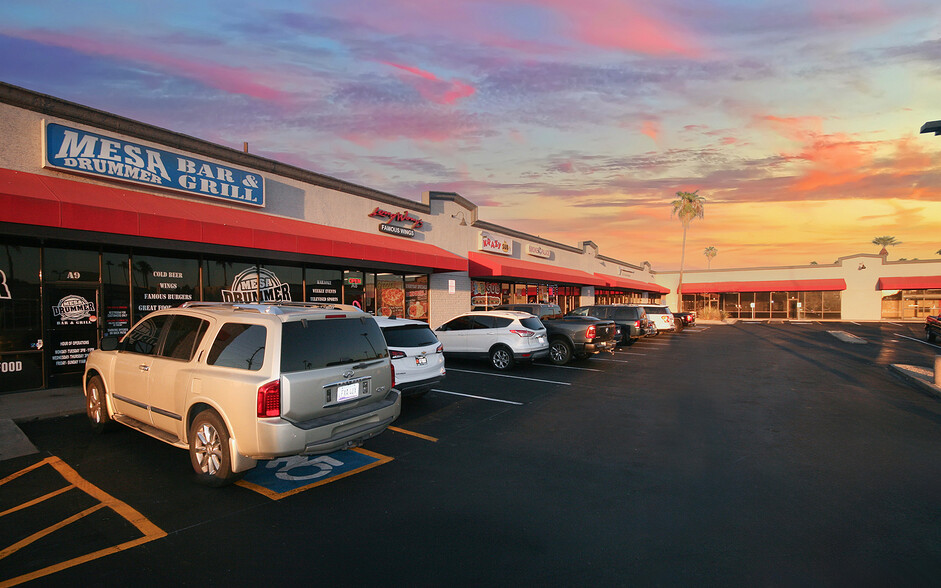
pixel 433 88
pixel 651 128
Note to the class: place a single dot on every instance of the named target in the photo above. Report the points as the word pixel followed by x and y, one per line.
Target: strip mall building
pixel 105 219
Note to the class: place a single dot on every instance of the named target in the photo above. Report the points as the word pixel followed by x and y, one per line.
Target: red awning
pixel 482 265
pixel 627 284
pixel 767 286
pixel 909 283
pixel 48 201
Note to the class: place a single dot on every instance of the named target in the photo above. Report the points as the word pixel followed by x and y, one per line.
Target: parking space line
pixel 148 530
pixel 478 397
pixel 617 360
pixel 919 341
pixel 570 367
pixel 414 434
pixel 509 376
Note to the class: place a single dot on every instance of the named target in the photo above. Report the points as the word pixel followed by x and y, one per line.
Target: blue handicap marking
pixel 284 476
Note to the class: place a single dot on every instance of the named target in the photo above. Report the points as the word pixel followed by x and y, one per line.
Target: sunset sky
pixel 797 120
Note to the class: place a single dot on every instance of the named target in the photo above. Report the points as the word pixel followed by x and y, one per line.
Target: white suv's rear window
pixel 239 346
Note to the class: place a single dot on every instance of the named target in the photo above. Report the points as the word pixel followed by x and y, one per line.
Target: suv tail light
pixel 396 354
pixel 637 324
pixel 269 399
pixel 522 332
pixel 440 348
pixel 590 334
pixel 392 367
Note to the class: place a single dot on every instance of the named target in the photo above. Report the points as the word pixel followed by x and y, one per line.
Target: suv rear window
pixel 532 323
pixel 627 313
pixel 409 336
pixel 314 344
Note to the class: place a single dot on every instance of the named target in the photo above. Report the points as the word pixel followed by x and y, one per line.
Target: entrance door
pixel 71 330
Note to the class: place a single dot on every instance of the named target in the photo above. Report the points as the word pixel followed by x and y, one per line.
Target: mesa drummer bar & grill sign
pixel 78 151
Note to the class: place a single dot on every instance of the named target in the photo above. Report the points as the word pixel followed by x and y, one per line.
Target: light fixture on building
pixel 463 222
pixel 862 266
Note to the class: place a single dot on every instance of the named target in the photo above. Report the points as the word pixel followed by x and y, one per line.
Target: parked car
pixel 932 328
pixel 238 383
pixel 502 336
pixel 684 319
pixel 570 336
pixel 631 319
pixel 661 316
pixel 417 355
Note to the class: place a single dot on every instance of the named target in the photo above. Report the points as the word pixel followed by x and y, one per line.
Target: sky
pixel 797 120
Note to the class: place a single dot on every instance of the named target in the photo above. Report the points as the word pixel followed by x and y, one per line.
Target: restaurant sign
pixel 537 251
pixel 78 151
pixel 491 244
pixel 397 217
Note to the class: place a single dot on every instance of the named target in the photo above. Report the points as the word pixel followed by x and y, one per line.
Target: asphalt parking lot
pixel 755 453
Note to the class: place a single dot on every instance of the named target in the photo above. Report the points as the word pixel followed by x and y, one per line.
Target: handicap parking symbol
pixel 285 476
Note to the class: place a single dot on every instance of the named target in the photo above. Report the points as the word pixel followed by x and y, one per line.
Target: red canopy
pixel 483 265
pixel 628 284
pixel 48 201
pixel 909 283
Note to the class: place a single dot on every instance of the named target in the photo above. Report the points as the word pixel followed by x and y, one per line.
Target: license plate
pixel 541 339
pixel 347 392
pixel 421 360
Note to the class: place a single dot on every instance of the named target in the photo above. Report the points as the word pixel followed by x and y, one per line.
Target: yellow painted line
pixel 382 459
pixel 414 434
pixel 148 529
pixel 37 500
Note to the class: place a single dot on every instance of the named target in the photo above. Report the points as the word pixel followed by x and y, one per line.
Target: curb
pixel 920 377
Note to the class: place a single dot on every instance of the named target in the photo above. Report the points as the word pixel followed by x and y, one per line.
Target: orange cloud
pixel 651 128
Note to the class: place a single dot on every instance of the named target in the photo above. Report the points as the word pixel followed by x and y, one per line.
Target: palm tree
pixel 938 252
pixel 710 252
pixel 687 206
pixel 885 241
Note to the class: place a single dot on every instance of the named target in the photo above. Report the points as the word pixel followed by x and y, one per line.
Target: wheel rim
pixel 208 449
pixel 94 404
pixel 559 352
pixel 501 359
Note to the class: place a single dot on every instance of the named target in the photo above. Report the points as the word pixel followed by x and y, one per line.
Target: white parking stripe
pixel 630 353
pixel 571 367
pixel 477 397
pixel 616 360
pixel 919 340
pixel 509 376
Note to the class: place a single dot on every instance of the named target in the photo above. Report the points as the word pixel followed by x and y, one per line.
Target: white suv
pixel 660 316
pixel 417 355
pixel 503 336
pixel 237 383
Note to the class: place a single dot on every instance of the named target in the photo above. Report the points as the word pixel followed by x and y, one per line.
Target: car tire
pixel 629 341
pixel 930 336
pixel 209 450
pixel 560 352
pixel 96 405
pixel 501 358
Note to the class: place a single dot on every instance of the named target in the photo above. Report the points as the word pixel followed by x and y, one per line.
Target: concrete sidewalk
pixel 32 406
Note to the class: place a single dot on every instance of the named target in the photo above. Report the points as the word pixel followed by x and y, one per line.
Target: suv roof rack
pixel 270 307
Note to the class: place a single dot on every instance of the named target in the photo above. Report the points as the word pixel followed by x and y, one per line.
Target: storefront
pixel 618 290
pixel 778 299
pixel 911 297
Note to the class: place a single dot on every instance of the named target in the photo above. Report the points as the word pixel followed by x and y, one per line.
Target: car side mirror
pixel 109 343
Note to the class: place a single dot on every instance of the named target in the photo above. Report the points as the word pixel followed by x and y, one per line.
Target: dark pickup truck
pixel 570 336
pixel 933 328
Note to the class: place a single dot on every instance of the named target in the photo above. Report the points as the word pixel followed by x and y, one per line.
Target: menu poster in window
pixel 324 291
pixel 416 299
pixel 117 320
pixel 156 288
pixel 391 298
pixel 485 294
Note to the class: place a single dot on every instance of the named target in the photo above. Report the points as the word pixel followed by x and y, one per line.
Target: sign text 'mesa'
pixel 89 153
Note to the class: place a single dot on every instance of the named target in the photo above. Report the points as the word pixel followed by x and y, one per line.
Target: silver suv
pixel 237 383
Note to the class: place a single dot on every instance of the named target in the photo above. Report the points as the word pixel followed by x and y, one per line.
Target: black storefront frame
pixel 103 293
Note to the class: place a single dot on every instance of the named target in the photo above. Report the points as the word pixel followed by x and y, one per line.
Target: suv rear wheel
pixel 501 358
pixel 209 449
pixel 96 405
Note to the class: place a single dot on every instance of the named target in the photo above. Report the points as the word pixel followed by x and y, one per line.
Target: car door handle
pixel 144 367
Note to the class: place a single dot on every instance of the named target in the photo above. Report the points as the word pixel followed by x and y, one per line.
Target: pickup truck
pixel 570 336
pixel 932 328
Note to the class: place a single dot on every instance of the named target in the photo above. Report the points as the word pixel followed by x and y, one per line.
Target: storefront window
pixel 831 305
pixel 21 365
pixel 220 275
pixel 70 265
pixel 390 295
pixel 284 283
pixel 70 281
pixel 324 286
pixel 116 294
pixel 486 295
pixel 162 282
pixel 416 297
pixel 354 290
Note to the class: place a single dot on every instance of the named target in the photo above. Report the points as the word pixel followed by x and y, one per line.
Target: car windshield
pixel 409 336
pixel 314 344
